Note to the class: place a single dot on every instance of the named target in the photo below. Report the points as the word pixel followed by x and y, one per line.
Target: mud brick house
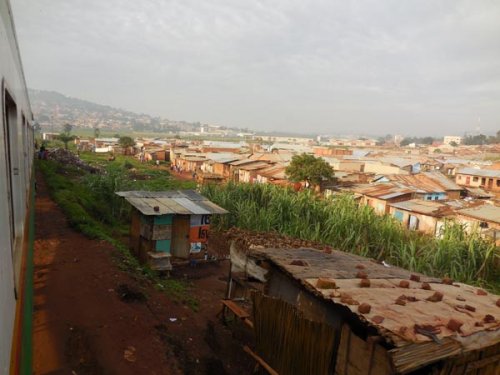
pixel 379 196
pixel 318 312
pixel 486 218
pixel 423 216
pixel 487 179
pixel 168 224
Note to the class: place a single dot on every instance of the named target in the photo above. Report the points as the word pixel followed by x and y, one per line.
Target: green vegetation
pixel 89 202
pixel 341 223
pixel 307 167
pixel 481 139
pixel 66 136
pixel 126 141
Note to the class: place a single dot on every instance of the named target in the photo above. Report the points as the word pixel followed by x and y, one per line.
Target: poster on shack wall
pixel 199 226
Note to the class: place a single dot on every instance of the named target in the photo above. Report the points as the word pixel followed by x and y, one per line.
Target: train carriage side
pixel 16 164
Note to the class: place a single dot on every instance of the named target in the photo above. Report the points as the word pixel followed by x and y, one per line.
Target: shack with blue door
pixel 169 224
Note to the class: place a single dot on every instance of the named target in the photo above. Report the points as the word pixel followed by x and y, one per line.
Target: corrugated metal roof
pixel 382 190
pixel 393 195
pixel 424 207
pixel 399 320
pixel 480 172
pixel 185 202
pixel 430 182
pixel 485 212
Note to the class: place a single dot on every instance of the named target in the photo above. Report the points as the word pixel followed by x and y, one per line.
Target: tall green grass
pixel 343 224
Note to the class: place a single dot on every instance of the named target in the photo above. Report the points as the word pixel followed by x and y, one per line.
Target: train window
pixel 10 124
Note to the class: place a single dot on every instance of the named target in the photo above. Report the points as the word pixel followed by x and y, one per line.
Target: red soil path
pixel 82 326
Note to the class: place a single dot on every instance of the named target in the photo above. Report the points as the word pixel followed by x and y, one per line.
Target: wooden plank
pixel 161 232
pixel 260 361
pixel 343 351
pixel 358 357
pixel 483 362
pixel 235 309
pixel 414 356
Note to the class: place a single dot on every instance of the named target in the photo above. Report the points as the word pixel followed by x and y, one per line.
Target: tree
pixel 97 132
pixel 66 136
pixel 126 142
pixel 453 144
pixel 307 167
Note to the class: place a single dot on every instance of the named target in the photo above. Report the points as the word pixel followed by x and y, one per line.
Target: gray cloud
pixel 373 67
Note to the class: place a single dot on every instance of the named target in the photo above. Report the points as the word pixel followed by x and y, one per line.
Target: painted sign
pixel 195 247
pixel 199 226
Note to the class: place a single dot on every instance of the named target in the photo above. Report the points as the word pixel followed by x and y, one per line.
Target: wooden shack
pixel 336 313
pixel 169 224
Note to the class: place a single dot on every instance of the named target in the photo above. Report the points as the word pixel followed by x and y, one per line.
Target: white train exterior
pixel 16 167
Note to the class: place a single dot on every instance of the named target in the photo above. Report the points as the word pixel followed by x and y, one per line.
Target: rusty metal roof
pixel 399 320
pixel 480 172
pixel 383 190
pixel 485 212
pixel 430 182
pixel 182 202
pixel 431 208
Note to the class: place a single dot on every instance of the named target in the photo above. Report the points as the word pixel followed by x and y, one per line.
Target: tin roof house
pixel 330 312
pixel 168 224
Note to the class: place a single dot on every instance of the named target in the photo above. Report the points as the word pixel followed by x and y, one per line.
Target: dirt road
pixel 92 318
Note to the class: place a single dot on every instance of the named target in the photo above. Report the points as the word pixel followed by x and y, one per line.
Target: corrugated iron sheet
pixel 399 321
pixel 484 212
pixel 185 202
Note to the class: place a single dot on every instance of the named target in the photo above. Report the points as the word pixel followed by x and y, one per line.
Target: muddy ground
pixel 90 317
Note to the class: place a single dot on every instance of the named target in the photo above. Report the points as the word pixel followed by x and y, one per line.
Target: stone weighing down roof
pixel 181 202
pixel 462 302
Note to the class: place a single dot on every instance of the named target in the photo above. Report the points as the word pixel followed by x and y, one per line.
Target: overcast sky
pixel 335 66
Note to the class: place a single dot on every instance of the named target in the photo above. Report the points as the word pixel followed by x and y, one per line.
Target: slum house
pixel 430 185
pixel 331 151
pixel 346 165
pixel 353 142
pixel 235 167
pixel 169 224
pixel 291 148
pixel 379 196
pixel 378 167
pixel 423 216
pixel 221 146
pixel 83 144
pixel 105 142
pixel 204 178
pixel 429 164
pixel 487 179
pixel 485 218
pixel 279 156
pixel 248 172
pixel 274 174
pixel 336 313
pixel 154 154
pixel 222 164
pixel 190 162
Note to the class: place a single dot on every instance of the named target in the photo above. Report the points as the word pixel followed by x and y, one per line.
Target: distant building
pixel 398 139
pixel 487 179
pixel 50 136
pixel 449 139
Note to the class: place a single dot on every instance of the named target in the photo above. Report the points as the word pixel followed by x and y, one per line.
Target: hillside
pixel 52 110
